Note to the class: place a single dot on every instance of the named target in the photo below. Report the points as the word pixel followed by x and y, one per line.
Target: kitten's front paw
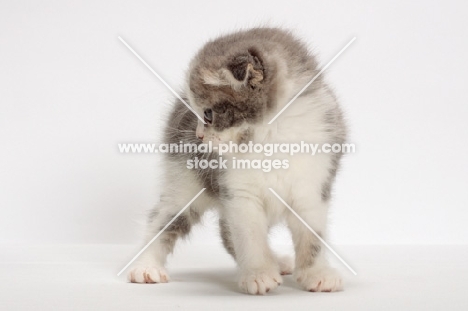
pixel 259 282
pixel 147 274
pixel 323 279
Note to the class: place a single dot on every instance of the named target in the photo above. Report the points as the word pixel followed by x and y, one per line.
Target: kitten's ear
pixel 247 68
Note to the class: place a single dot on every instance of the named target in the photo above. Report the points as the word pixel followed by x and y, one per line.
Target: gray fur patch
pixel 335 125
pixel 251 57
pixel 247 67
pixel 181 128
pixel 194 215
pixel 315 249
pixel 308 248
pixel 327 185
pixel 169 240
pixel 326 191
pixel 245 136
pixel 181 226
pixel 153 214
pixel 305 257
pixel 235 114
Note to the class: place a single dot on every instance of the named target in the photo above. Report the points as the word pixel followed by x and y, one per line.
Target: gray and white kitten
pixel 238 83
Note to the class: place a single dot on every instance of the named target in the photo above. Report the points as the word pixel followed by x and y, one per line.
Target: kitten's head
pixel 230 89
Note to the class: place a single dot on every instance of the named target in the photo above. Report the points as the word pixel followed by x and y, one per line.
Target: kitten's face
pixel 228 92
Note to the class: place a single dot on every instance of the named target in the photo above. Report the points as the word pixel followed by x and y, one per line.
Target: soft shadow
pixel 224 278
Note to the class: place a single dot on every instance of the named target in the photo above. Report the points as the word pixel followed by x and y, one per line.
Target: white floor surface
pixel 83 277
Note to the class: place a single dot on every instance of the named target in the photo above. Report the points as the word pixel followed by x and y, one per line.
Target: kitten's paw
pixel 259 282
pixel 148 274
pixel 286 264
pixel 323 279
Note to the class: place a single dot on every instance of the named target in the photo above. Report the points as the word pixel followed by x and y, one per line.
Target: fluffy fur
pixel 245 78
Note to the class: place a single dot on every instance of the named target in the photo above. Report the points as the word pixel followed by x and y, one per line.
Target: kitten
pixel 238 83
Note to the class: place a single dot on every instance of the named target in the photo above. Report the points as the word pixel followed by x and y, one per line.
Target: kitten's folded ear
pixel 247 68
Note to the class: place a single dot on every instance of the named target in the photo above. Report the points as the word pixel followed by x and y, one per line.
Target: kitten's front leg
pixel 247 223
pixel 312 269
pixel 149 267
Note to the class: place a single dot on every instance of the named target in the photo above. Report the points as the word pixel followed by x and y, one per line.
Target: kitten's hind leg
pixel 149 267
pixel 312 269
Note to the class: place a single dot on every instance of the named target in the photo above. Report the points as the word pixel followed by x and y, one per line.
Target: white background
pixel 70 91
